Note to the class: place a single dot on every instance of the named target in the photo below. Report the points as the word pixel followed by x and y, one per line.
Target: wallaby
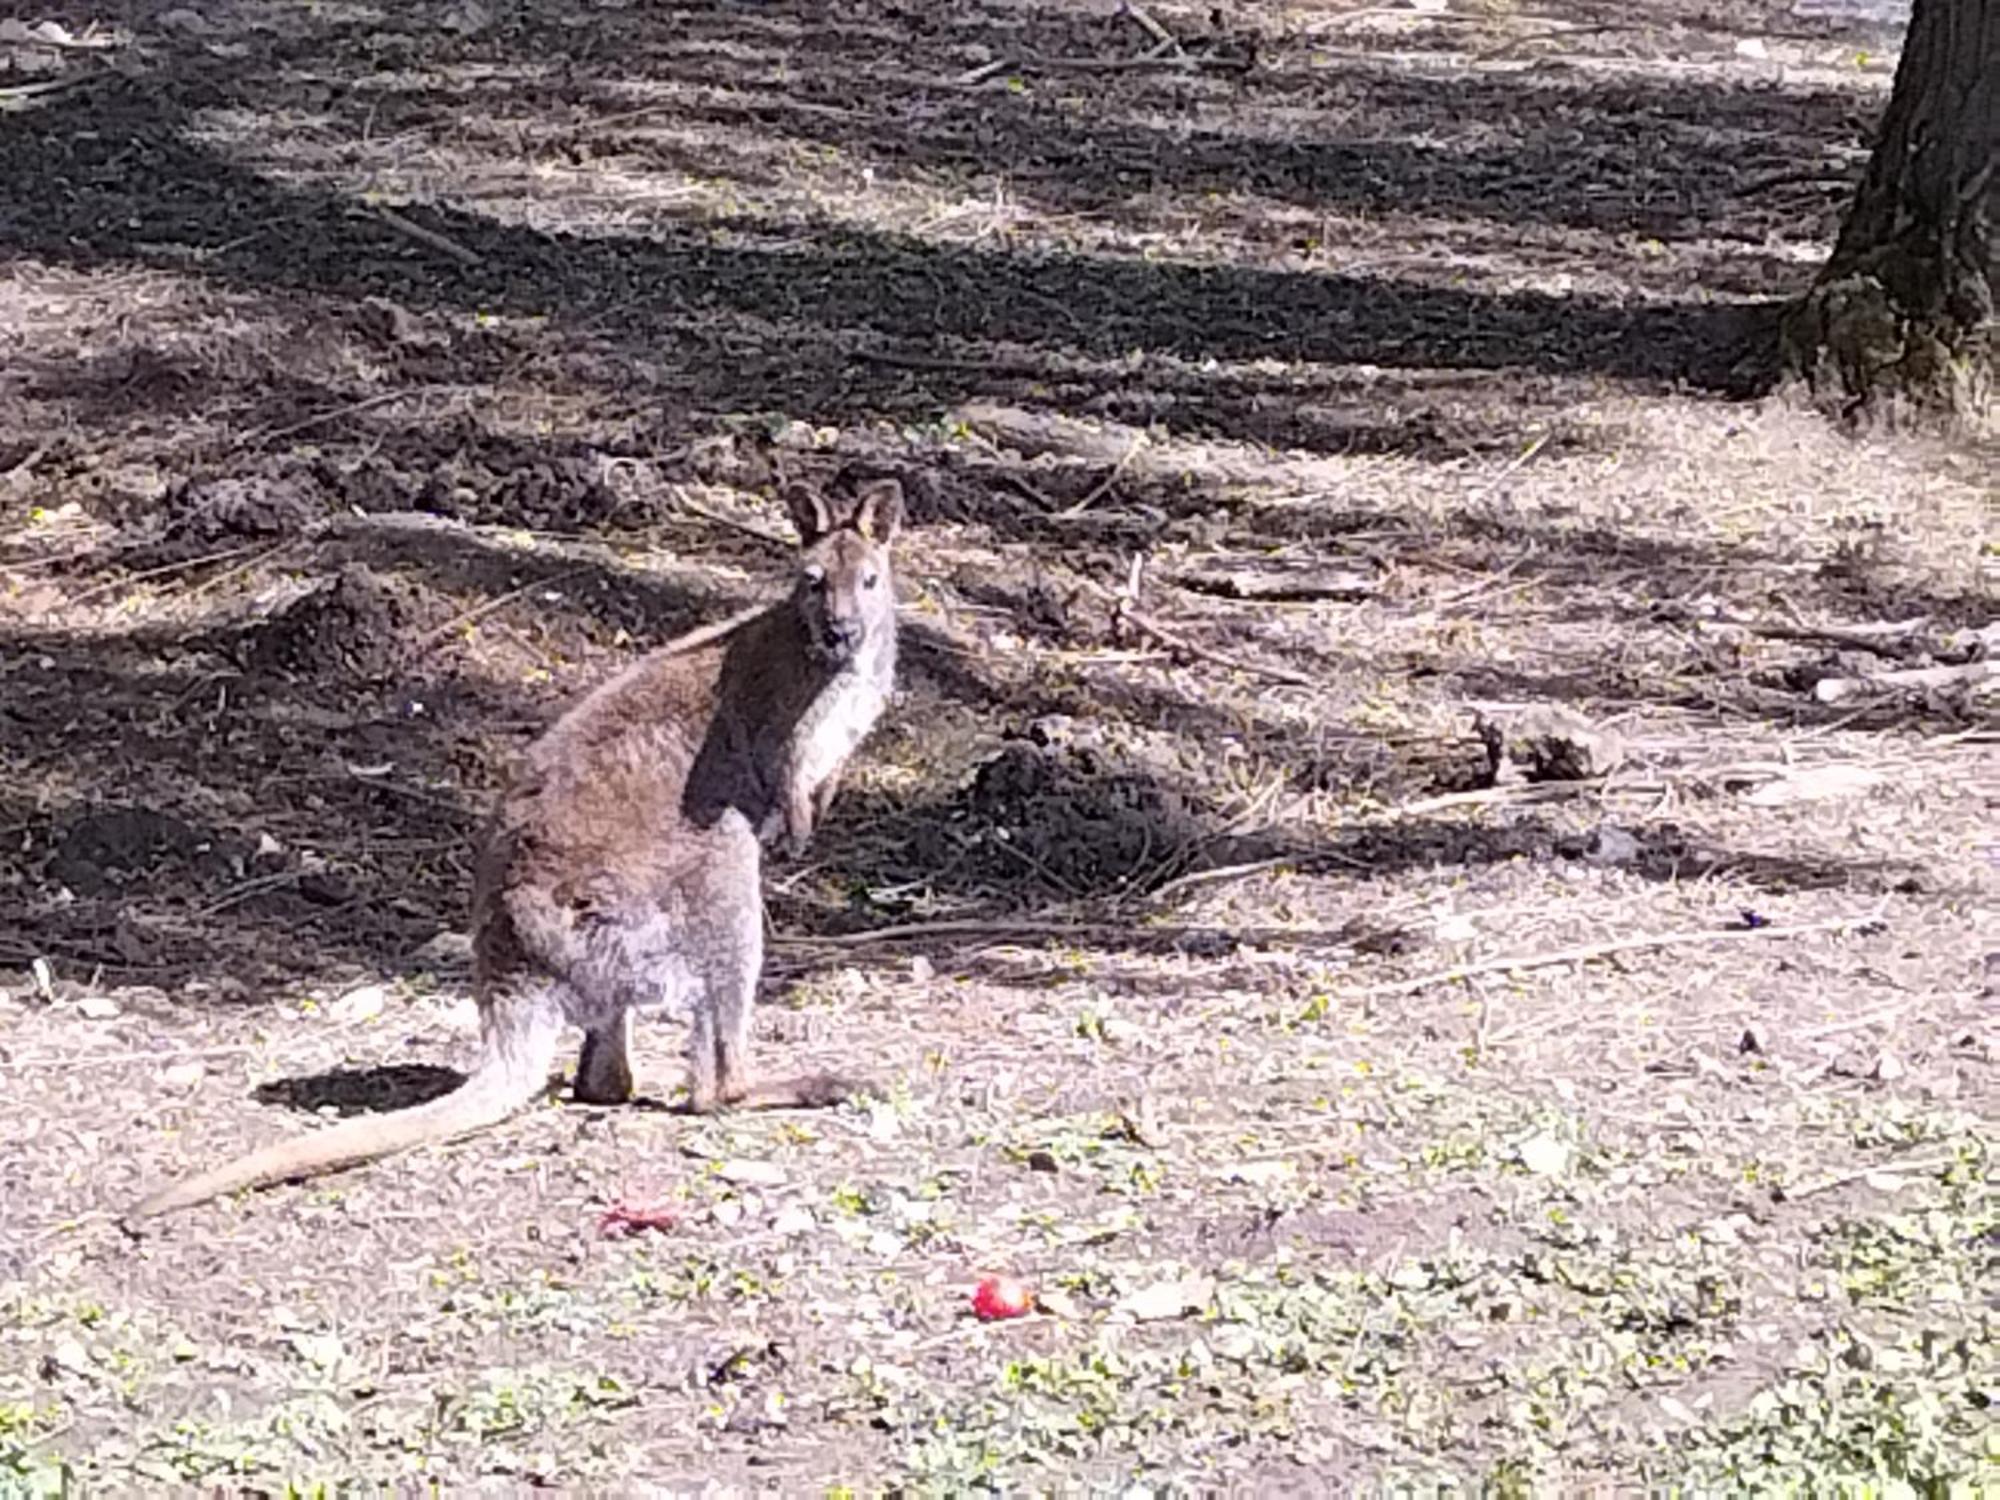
pixel 619 872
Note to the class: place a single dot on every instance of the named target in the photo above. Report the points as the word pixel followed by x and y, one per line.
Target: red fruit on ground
pixel 1001 1297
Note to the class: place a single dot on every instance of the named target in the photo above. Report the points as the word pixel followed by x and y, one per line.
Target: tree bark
pixel 1902 317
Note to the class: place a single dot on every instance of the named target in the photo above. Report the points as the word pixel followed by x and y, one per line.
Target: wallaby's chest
pixel 842 715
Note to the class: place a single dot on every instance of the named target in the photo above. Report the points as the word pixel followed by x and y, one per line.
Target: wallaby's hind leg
pixel 726 969
pixel 735 997
pixel 604 1071
pixel 719 1042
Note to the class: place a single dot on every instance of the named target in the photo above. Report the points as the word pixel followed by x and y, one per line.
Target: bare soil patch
pixel 1377 1082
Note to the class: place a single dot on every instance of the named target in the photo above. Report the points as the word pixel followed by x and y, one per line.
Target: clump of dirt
pixel 564 493
pixel 1061 818
pixel 483 480
pixel 357 627
pixel 208 514
pixel 116 847
pixel 1549 743
pixel 1038 606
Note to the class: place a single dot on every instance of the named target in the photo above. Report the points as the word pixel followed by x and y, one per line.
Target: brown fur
pixel 620 871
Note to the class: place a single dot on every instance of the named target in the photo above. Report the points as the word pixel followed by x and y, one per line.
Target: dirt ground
pixel 1378 1083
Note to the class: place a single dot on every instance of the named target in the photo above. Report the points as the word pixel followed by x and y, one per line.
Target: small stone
pixel 885 1245
pixel 322 1350
pixel 183 1076
pixel 1888 1068
pixel 1612 845
pixel 1753 1040
pixel 1264 1174
pixel 1752 46
pixel 728 1213
pixel 1168 1299
pixel 797 1219
pixel 446 948
pixel 1060 1305
pixel 921 970
pixel 99 1008
pixel 70 1356
pixel 362 1004
pixel 1544 1155
pixel 747 1173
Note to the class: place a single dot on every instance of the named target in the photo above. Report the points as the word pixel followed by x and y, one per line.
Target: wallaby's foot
pixel 604 1070
pixel 807 1091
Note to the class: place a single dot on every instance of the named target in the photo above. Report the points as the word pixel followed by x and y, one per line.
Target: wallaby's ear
pixel 879 511
pixel 810 512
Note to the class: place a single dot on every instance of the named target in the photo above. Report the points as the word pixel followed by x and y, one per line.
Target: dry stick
pixel 743 528
pixel 1001 927
pixel 39 1061
pixel 973 77
pixel 1154 29
pixel 1841 1179
pixel 369 403
pixel 1588 951
pixel 1538 791
pixel 1254 867
pixel 1109 479
pixel 22 468
pixel 1860 637
pixel 162 571
pixel 1017 482
pixel 430 237
pixel 43 86
pixel 1839 689
pixel 1149 626
pixel 1154 59
pixel 209 586
pixel 498 601
pixel 237 895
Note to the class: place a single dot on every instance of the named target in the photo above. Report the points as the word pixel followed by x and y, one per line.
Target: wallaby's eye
pixel 871 580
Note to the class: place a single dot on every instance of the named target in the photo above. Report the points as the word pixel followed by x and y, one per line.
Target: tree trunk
pixel 1903 315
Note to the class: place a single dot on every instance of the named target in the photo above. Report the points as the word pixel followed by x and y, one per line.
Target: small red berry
pixel 1001 1297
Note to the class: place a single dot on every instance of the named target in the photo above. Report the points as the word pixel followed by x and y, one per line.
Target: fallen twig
pixel 1003 927
pixel 1152 28
pixel 184 566
pixel 1110 479
pixel 68 1062
pixel 1840 689
pixel 498 601
pixel 742 528
pixel 1588 951
pixel 1886 1169
pixel 1147 625
pixel 1210 876
pixel 353 408
pixel 1882 639
pixel 16 96
pixel 1529 791
pixel 973 77
pixel 26 465
pixel 440 242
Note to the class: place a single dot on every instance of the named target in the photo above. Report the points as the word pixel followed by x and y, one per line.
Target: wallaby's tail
pixel 497 1088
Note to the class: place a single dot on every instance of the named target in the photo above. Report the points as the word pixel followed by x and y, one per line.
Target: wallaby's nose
pixel 844 634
